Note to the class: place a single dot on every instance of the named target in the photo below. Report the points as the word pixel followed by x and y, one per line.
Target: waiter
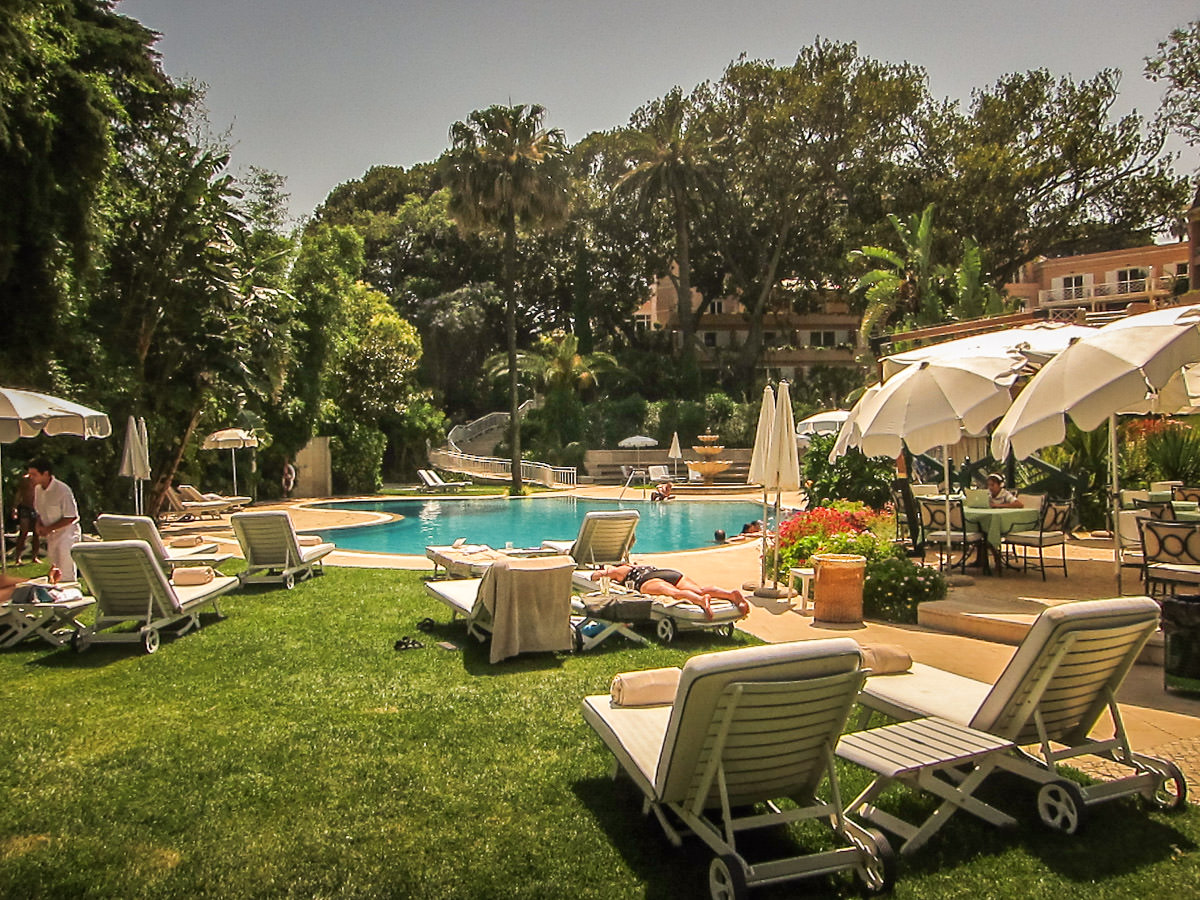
pixel 58 517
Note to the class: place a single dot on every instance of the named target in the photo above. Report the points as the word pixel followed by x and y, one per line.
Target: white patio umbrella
pixel 231 439
pixel 637 442
pixel 28 414
pixel 758 471
pixel 675 453
pixel 928 404
pixel 1122 367
pixel 1038 343
pixel 781 470
pixel 135 459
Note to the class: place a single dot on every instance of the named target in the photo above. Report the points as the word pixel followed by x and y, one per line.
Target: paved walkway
pixel 1158 722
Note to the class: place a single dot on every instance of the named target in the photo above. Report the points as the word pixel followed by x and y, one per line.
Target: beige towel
pixel 308 540
pixel 529 601
pixel 191 540
pixel 192 575
pixel 650 687
pixel 885 659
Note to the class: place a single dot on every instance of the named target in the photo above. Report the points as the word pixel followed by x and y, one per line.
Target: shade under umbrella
pixel 231 439
pixel 28 414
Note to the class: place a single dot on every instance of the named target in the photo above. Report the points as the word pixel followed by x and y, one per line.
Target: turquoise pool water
pixel 678 525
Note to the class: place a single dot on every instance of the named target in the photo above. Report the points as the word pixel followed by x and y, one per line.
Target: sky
pixel 320 92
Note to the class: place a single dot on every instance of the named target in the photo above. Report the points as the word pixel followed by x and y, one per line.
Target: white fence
pixel 461 434
pixel 501 469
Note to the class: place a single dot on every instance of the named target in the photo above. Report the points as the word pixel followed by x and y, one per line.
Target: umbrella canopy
pixel 1118 368
pixel 828 422
pixel 782 467
pixel 637 441
pixel 28 414
pixel 675 453
pixel 762 439
pixel 929 404
pixel 1038 343
pixel 229 439
pixel 135 459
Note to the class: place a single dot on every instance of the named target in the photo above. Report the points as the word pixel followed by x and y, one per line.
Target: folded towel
pixel 885 659
pixel 190 575
pixel 308 540
pixel 191 540
pixel 650 687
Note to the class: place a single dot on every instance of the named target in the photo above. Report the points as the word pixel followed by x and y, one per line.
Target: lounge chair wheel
pixel 1171 791
pixel 725 631
pixel 1061 806
pixel 150 640
pixel 289 581
pixel 726 878
pixel 666 630
pixel 877 872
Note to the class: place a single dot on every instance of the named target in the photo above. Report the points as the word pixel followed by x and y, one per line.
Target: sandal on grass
pixel 408 643
pixel 427 625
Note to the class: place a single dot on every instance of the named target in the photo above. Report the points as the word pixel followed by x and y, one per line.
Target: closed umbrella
pixel 28 414
pixel 782 468
pixel 135 459
pixel 231 439
pixel 1122 367
pixel 758 470
pixel 675 453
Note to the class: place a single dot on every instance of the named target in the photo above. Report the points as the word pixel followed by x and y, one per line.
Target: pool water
pixel 678 525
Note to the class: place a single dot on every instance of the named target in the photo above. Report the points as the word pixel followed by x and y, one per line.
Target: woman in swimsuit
pixel 670 583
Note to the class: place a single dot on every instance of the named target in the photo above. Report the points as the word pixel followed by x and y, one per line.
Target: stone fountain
pixel 708 466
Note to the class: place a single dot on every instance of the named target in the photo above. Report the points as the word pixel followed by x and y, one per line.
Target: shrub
pixel 852 477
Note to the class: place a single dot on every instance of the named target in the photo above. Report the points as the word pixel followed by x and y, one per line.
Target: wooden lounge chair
pixel 746 728
pixel 1062 678
pixel 605 538
pixel 130 587
pixel 142 528
pixel 274 555
pixel 524 604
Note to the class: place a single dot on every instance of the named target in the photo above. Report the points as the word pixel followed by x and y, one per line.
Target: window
pixel 641 323
pixel 718 307
pixel 769 339
pixel 710 339
pixel 821 339
pixel 1131 281
pixel 1072 288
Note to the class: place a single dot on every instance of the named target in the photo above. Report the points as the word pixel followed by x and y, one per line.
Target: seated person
pixel 754 527
pixel 662 492
pixel 999 498
pixel 670 583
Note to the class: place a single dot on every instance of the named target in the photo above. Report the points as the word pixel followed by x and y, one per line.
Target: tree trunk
pixel 510 327
pixel 158 495
pixel 683 284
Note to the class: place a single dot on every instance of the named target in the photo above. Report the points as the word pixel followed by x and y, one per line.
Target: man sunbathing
pixel 670 583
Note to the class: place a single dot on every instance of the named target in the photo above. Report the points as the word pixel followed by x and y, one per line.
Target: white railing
pixel 491 422
pixel 501 469
pixel 1108 291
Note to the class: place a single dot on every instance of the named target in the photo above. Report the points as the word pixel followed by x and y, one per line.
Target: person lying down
pixel 671 583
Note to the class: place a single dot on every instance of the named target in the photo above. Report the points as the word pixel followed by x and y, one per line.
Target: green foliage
pixel 851 477
pixel 1174 454
pixel 1084 456
pixel 1177 63
pixel 356 452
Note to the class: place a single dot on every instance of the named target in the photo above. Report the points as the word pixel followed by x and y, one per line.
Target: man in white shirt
pixel 58 517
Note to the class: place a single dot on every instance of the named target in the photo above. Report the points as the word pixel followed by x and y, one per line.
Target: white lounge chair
pixel 142 528
pixel 658 473
pixel 1061 679
pixel 669 616
pixel 129 586
pixel 56 621
pixel 605 538
pixel 193 494
pixel 747 727
pixel 524 604
pixel 178 508
pixel 432 482
pixel 274 555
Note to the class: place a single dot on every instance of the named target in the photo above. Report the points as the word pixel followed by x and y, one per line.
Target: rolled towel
pixel 190 575
pixel 650 687
pixel 191 540
pixel 885 659
pixel 308 540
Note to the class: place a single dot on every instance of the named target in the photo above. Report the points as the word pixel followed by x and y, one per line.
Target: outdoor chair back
pixel 1171 554
pixel 1185 494
pixel 1158 509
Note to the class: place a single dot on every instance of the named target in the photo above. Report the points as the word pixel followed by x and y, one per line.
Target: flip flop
pixel 427 625
pixel 408 643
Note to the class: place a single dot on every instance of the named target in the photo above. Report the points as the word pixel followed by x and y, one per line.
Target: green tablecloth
pixel 995 523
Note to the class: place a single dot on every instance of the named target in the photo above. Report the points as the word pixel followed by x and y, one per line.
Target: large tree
pixel 1177 63
pixel 504 170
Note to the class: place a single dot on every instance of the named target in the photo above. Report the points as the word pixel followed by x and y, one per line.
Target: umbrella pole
pixel 3 526
pixel 946 496
pixel 233 456
pixel 1115 503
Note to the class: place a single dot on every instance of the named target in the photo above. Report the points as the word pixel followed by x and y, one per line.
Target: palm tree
pixel 504 171
pixel 671 157
pixel 902 281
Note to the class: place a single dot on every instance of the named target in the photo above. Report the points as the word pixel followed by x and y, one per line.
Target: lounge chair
pixel 274 555
pixel 669 616
pixel 142 528
pixel 431 482
pixel 524 604
pixel 129 586
pixel 605 538
pixel 658 473
pixel 32 613
pixel 747 727
pixel 178 508
pixel 1061 679
pixel 193 494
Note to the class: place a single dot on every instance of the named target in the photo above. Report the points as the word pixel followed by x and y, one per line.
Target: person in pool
pixel 670 583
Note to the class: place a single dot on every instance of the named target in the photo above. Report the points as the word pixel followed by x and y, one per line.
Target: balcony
pixel 1108 294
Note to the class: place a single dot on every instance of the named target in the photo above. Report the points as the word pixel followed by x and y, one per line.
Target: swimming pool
pixel 678 525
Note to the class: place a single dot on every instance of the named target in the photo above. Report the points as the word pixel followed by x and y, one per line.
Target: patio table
pixel 995 523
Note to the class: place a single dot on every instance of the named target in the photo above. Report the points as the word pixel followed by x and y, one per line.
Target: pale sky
pixel 321 91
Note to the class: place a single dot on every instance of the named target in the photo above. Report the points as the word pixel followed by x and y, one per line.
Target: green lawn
pixel 289 751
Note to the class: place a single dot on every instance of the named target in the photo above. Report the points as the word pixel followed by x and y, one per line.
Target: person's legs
pixel 734 597
pixel 658 587
pixel 58 550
